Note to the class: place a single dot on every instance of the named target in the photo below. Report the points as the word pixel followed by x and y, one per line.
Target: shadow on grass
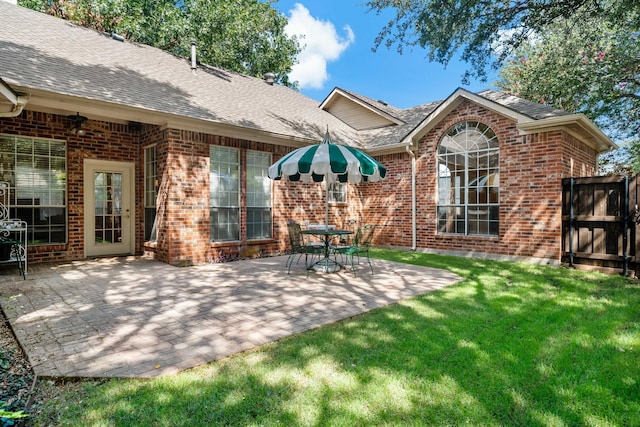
pixel 513 344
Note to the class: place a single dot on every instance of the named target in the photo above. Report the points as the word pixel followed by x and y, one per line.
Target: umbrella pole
pixel 326 201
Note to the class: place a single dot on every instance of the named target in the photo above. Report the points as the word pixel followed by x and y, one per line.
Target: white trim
pixel 8 93
pixel 577 125
pixel 337 92
pixel 437 115
pixel 128 207
pixel 17 101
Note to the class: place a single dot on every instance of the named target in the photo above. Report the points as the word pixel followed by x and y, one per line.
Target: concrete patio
pixel 136 317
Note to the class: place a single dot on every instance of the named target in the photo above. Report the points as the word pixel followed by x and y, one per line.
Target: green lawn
pixel 513 344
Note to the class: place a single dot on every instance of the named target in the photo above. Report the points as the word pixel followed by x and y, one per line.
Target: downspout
pixel 414 227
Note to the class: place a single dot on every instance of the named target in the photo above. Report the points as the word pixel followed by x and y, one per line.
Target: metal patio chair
pixel 300 247
pixel 360 246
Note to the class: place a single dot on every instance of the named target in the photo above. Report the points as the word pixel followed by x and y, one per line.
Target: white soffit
pixel 47 102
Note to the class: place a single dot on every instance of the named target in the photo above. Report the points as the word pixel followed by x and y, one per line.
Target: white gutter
pixel 17 108
pixel 414 227
pixel 10 95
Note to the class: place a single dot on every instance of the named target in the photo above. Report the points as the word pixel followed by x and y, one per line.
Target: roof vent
pixel 269 78
pixel 382 102
pixel 117 37
pixel 194 65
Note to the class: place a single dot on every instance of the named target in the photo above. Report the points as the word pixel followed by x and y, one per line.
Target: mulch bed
pixel 16 376
pixel 21 390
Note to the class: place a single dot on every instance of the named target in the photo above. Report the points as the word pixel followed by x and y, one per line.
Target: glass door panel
pixel 108 207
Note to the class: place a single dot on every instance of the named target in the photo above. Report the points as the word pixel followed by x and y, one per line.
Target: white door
pixel 108 211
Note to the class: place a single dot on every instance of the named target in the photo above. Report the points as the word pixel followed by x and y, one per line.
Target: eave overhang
pixel 577 125
pixel 55 103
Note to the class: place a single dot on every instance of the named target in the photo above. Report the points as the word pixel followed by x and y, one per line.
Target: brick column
pixel 183 200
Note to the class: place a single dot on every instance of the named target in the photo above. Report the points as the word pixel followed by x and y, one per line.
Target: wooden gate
pixel 599 226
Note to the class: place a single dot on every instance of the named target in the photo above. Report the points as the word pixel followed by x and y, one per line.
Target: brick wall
pixel 120 145
pixel 531 169
pixel 183 202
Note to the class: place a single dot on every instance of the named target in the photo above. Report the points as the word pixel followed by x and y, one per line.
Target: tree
pixel 577 55
pixel 591 66
pixel 487 31
pixel 245 36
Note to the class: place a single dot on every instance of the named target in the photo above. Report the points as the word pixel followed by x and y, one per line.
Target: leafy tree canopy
pixel 246 36
pixel 589 66
pixel 486 32
pixel 578 55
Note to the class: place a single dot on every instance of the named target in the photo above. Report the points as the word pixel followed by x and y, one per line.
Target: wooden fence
pixel 599 222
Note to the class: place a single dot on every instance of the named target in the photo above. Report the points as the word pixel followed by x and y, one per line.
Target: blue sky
pixel 339 36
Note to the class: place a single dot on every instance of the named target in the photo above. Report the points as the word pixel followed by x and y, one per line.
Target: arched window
pixel 468 180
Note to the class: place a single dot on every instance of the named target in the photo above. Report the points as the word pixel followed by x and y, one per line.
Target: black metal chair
pixel 299 246
pixel 360 246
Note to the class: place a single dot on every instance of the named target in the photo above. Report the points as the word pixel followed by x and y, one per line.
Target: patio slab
pixel 136 317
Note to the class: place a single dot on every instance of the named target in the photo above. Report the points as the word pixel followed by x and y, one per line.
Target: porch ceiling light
pixel 76 124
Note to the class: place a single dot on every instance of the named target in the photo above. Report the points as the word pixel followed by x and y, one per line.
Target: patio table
pixel 326 264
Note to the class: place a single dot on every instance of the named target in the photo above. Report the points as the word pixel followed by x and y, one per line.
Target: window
pixel 258 196
pixel 224 175
pixel 36 170
pixel 150 192
pixel 338 192
pixel 468 180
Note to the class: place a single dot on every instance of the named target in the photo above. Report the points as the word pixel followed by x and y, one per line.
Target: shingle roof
pixel 40 52
pixel 412 117
pixel 522 106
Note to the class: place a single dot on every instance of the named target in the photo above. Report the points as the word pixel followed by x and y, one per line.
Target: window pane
pixel 151 184
pixel 468 180
pixel 338 192
pixel 259 223
pixel 36 172
pixel 225 224
pixel 259 217
pixel 224 173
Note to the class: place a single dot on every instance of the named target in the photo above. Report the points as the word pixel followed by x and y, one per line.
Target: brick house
pixel 116 148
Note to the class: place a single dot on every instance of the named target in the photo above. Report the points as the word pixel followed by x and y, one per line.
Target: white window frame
pixel 337 192
pixel 224 201
pixel 259 196
pixel 33 197
pixel 151 183
pixel 468 170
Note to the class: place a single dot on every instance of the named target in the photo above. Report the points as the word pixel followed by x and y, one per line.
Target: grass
pixel 512 344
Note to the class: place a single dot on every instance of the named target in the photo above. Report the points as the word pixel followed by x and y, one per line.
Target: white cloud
pixel 320 43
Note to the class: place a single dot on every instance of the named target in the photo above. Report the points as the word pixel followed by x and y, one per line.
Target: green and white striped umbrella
pixel 328 162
